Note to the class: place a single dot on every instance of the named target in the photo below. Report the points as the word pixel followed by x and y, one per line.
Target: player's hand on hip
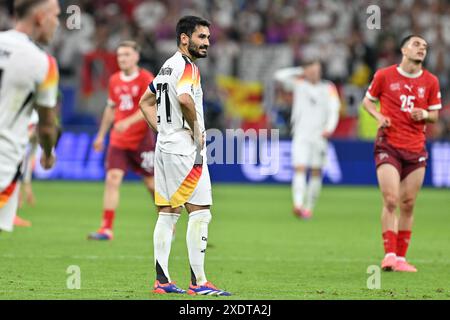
pixel 326 134
pixel 418 114
pixel 198 138
pixel 98 144
pixel 47 162
pixel 122 126
pixel 200 141
pixel 384 122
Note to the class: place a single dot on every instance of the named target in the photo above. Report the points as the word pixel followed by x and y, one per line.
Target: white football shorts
pixel 310 154
pixel 8 208
pixel 179 180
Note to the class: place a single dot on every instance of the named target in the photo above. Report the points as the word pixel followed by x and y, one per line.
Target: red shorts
pixel 141 160
pixel 403 160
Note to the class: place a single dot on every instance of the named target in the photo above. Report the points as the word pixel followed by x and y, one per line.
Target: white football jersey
pixel 179 75
pixel 28 77
pixel 315 106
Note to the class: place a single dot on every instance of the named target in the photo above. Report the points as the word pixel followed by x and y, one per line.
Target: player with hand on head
pixel 410 98
pixel 173 106
pixel 314 117
pixel 28 80
pixel 132 143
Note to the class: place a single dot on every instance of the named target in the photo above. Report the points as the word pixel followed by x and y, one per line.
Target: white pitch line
pixel 215 258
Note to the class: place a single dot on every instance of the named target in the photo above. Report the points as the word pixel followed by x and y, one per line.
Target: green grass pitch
pixel 257 248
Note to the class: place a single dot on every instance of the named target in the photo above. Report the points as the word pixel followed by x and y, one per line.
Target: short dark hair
pixel 187 25
pixel 23 7
pixel 406 39
pixel 130 44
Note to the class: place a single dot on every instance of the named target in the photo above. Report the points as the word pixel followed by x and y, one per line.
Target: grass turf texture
pixel 257 248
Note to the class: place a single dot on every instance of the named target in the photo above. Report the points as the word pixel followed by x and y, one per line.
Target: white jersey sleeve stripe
pixel 47 92
pixel 370 97
pixel 435 107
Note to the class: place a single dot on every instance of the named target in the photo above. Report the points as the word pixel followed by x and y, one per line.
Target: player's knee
pixel 113 179
pixel 390 202
pixel 202 216
pixel 407 206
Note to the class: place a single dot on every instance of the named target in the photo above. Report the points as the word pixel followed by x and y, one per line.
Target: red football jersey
pixel 400 92
pixel 124 95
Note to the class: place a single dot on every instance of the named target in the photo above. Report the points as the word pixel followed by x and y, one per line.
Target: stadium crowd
pixel 337 32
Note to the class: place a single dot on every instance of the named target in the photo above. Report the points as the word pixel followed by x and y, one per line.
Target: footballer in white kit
pixel 28 80
pixel 173 106
pixel 314 117
pixel 186 177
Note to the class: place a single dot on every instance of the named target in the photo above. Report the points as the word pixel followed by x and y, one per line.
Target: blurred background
pixel 251 39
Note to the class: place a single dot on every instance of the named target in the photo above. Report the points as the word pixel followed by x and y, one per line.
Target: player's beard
pixel 194 50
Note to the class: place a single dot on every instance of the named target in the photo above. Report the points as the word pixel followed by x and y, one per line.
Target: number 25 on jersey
pixel 407 103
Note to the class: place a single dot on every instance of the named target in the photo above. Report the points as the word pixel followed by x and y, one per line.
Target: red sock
pixel 390 242
pixel 403 239
pixel 108 219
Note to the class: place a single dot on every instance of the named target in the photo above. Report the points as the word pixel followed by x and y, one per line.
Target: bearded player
pixel 132 143
pixel 410 98
pixel 173 106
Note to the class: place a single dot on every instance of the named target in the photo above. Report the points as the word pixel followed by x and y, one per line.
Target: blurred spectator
pixel 334 31
pixel 5 19
pixel 148 14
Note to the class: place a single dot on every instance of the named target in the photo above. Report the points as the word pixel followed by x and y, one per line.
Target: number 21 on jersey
pixel 407 103
pixel 163 88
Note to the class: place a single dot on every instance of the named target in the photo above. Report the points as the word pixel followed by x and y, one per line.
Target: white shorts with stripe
pixel 9 203
pixel 179 180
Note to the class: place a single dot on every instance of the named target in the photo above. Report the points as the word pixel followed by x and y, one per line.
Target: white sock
pixel 196 240
pixel 314 187
pixel 162 242
pixel 298 188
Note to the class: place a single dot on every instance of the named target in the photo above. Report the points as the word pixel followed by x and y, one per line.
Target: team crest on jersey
pixel 421 92
pixel 383 156
pixel 135 91
pixel 395 86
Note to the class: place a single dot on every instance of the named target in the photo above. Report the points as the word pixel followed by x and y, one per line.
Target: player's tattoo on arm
pixel 47 129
